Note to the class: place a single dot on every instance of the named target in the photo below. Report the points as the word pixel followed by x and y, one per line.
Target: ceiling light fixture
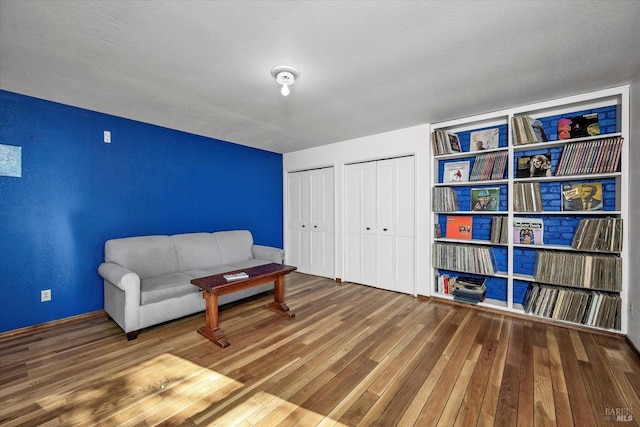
pixel 285 76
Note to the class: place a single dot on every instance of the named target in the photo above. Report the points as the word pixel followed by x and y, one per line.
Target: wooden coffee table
pixel 216 285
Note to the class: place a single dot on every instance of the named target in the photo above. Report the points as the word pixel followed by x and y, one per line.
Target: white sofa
pixel 147 279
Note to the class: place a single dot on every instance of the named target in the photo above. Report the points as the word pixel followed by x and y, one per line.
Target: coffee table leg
pixel 278 304
pixel 212 331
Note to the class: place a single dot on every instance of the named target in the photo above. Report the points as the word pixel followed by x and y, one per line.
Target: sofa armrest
pixel 121 295
pixel 121 277
pixel 268 253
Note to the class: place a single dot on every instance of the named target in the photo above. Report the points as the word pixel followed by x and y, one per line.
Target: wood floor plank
pixel 543 407
pixel 559 386
pixel 492 394
pixel 507 405
pixel 475 394
pixel 527 399
pixel 352 356
pixel 582 412
pixel 457 353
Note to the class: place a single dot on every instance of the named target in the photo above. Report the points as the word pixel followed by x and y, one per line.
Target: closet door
pixel 404 225
pixel 321 223
pixel 368 224
pixel 310 226
pixel 353 223
pixel 379 224
pixel 385 226
pixel 298 221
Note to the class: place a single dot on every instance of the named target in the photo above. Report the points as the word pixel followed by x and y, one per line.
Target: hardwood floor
pixel 352 356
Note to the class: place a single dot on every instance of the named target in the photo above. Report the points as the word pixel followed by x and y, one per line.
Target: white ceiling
pixel 366 66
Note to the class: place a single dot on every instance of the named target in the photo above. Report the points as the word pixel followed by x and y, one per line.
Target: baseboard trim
pixel 632 345
pixel 41 327
pixel 523 316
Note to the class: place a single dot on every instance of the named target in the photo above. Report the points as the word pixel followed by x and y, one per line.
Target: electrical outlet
pixel 45 295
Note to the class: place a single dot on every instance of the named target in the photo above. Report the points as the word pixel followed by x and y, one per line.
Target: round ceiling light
pixel 285 76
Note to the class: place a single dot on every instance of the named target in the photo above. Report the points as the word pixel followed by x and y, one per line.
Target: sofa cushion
pixel 249 263
pixel 148 256
pixel 165 287
pixel 196 250
pixel 208 271
pixel 235 246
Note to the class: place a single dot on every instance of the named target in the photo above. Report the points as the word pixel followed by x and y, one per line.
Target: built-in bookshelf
pixel 532 200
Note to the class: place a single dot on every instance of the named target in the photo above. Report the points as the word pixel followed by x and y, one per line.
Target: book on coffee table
pixel 236 276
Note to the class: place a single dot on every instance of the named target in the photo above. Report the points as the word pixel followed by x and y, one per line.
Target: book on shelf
pixel 589 157
pixel 578 126
pixel 591 308
pixel 528 231
pixel 485 199
pixel 474 259
pixel 456 171
pixel 500 165
pixel 582 197
pixel 444 142
pixel 599 235
pixel 499 225
pixel 444 199
pixel 484 139
pixel 442 284
pixel 459 227
pixel 603 272
pixel 527 197
pixel 488 166
pixel 463 288
pixel 469 289
pixel 437 230
pixel 471 283
pixel 527 130
pixel 536 165
pixel 236 276
pixel 454 142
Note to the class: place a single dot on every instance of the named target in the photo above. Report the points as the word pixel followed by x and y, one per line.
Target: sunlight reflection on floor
pixel 171 389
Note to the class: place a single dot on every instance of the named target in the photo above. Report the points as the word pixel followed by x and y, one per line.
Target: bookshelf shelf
pixel 562 142
pixel 545 247
pixel 466 154
pixel 490 213
pixel 524 277
pixel 467 183
pixel 488 302
pixel 469 242
pixel 569 177
pixel 562 213
pixel 546 209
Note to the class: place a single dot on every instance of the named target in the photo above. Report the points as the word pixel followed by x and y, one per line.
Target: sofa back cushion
pixel 235 246
pixel 148 256
pixel 196 251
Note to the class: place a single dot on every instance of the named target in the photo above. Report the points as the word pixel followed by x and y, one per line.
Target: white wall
pixel 408 141
pixel 633 228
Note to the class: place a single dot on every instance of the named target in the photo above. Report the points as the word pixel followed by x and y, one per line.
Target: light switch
pixel 107 137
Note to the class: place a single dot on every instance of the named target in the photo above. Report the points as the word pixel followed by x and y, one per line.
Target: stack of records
pixel 469 289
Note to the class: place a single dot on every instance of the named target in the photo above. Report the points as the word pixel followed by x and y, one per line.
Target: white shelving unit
pixel 614 99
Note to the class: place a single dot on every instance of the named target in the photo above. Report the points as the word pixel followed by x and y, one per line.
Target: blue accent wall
pixel 76 192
